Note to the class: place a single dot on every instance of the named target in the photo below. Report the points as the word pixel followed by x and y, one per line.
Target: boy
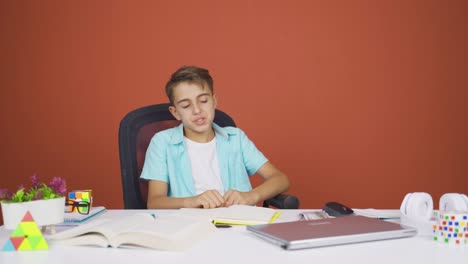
pixel 198 163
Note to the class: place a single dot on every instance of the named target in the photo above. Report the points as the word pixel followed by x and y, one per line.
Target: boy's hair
pixel 190 74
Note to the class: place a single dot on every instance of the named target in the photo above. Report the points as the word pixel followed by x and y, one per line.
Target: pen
pixel 232 222
pixel 222 226
pixel 274 217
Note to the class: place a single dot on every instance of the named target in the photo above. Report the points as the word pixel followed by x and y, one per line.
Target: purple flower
pixel 35 181
pixel 5 194
pixel 58 185
pixel 38 191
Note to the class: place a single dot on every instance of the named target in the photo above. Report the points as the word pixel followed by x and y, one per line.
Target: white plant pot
pixel 44 212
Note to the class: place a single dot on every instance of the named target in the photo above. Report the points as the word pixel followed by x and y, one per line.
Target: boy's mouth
pixel 199 121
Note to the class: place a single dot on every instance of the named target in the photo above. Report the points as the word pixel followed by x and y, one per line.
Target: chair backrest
pixel 135 132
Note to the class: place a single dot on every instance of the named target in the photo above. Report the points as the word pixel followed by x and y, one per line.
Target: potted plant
pixel 45 202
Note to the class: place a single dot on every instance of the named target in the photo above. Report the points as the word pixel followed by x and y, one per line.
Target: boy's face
pixel 195 106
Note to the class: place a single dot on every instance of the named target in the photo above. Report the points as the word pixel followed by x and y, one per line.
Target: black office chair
pixel 135 132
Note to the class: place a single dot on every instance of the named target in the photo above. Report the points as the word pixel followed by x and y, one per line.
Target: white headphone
pixel 417 206
pixel 417 209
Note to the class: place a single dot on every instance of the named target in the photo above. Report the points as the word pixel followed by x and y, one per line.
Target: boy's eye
pixel 185 106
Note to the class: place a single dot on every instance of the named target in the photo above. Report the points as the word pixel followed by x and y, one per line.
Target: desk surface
pixel 237 245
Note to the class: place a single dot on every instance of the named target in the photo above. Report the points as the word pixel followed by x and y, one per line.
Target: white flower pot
pixel 44 212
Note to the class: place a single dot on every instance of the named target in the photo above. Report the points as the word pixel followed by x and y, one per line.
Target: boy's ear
pixel 174 112
pixel 215 101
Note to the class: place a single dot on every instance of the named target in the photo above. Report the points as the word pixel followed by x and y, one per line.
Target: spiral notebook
pixel 76 217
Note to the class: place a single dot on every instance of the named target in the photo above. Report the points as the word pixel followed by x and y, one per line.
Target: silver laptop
pixel 330 232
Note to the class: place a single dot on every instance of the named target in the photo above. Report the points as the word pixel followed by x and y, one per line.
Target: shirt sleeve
pixel 155 165
pixel 253 158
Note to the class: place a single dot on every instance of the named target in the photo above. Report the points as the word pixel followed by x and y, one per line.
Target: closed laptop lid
pixel 330 231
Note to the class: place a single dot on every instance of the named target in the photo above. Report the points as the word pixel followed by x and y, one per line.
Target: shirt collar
pixel 221 133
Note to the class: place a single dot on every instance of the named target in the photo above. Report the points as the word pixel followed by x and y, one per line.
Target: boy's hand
pixel 208 199
pixel 235 197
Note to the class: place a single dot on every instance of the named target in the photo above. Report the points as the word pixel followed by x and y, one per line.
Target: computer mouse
pixel 337 209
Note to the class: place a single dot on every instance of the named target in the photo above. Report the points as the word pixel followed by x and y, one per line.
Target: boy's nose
pixel 196 109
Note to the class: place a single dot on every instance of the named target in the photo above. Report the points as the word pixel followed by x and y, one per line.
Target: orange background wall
pixel 356 101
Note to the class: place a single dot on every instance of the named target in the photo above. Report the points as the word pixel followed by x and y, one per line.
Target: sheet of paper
pixel 243 212
pixel 378 213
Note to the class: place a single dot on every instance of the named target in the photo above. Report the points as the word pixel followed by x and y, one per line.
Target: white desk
pixel 237 245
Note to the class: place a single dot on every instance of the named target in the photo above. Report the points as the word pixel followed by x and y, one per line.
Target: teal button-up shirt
pixel 167 160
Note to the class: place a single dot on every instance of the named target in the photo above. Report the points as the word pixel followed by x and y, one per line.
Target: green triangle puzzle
pixel 26 236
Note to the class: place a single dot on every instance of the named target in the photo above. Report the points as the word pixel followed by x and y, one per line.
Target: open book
pixel 234 214
pixel 140 230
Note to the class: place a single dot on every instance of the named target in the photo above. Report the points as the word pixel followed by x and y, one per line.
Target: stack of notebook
pixel 76 217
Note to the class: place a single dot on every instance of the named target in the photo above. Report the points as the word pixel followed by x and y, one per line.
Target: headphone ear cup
pixel 459 203
pixel 465 200
pixel 453 202
pixel 420 206
pixel 416 211
pixel 404 204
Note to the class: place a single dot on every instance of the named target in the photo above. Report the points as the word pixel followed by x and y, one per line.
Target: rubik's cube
pixel 451 228
pixel 81 196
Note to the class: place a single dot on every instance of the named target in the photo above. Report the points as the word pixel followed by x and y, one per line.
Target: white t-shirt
pixel 205 168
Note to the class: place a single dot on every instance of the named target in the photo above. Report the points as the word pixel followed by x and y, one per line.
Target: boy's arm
pixel 158 199
pixel 275 183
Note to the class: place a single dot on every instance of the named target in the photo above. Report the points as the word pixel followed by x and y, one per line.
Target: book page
pixel 140 229
pixel 89 227
pixel 105 226
pixel 169 233
pixel 90 239
pixel 126 224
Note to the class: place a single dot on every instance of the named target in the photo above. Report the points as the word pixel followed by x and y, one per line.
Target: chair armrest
pixel 283 201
